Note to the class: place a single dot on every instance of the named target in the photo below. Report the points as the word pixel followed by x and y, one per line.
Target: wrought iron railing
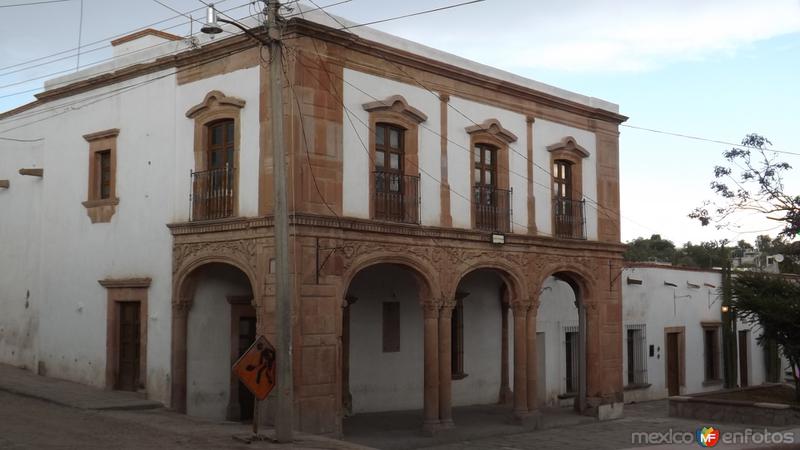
pixel 492 208
pixel 213 193
pixel 570 218
pixel 397 197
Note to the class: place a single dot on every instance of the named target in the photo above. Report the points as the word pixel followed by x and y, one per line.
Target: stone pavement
pixel 66 393
pixel 40 412
pixel 580 434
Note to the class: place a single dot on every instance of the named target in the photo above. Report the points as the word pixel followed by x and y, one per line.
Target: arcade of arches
pixel 401 322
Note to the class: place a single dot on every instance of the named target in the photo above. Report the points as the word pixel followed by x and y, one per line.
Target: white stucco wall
pixel 482 341
pixel 20 283
pixel 385 381
pixel 394 381
pixel 459 159
pixel 242 84
pixel 356 163
pixel 50 238
pixel 654 304
pixel 547 133
pixel 557 310
pixel 208 353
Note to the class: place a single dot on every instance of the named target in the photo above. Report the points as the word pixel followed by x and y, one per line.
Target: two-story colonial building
pixel 437 206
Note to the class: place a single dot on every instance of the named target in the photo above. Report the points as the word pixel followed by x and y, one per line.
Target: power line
pixel 80 36
pixel 117 56
pixel 715 141
pixel 596 205
pixel 105 39
pixel 22 116
pixel 47 75
pixel 33 3
pixel 419 13
pixel 106 95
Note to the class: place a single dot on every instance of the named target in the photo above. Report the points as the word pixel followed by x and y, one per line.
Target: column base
pixel 527 419
pixel 430 428
pixel 447 424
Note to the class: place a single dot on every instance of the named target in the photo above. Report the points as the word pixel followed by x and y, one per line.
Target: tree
pixel 772 301
pixel 752 180
pixel 654 249
pixel 704 255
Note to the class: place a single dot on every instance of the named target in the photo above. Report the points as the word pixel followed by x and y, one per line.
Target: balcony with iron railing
pixel 492 208
pixel 213 194
pixel 396 197
pixel 570 218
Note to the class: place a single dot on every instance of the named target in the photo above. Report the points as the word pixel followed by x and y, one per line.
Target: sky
pixel 716 69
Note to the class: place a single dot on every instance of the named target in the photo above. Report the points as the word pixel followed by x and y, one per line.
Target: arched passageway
pixel 561 339
pixel 214 322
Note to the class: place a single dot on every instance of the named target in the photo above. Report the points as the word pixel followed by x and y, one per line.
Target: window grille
pixel 636 346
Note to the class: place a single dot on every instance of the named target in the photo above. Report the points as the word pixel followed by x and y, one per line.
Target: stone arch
pixel 514 280
pixel 423 273
pixel 183 291
pixel 583 284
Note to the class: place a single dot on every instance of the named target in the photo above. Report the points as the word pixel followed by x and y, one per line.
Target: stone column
pixel 532 366
pixel 505 395
pixel 180 326
pixel 520 355
pixel 445 364
pixel 431 349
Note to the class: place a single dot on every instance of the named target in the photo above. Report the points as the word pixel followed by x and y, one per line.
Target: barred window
pixel 636 348
pixel 571 352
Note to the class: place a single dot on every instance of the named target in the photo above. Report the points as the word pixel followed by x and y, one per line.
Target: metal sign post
pixel 256 370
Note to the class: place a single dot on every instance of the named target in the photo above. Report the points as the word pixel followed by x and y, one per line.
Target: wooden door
pixel 743 358
pixel 247 335
pixel 129 343
pixel 673 364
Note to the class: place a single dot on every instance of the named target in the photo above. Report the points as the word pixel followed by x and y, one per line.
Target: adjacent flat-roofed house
pixel 433 200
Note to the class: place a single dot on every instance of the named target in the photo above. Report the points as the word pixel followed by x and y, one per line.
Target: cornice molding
pixel 396 104
pixel 568 144
pixel 494 128
pixel 214 99
pixel 122 283
pixel 113 132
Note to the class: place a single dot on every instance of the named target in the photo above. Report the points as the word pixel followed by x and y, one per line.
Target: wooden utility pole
pixel 284 418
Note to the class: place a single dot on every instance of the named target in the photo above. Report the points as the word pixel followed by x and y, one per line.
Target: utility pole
pixel 284 419
pixel 284 297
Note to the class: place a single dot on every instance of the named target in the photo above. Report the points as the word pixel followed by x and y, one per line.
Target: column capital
pixel 431 309
pixel 520 307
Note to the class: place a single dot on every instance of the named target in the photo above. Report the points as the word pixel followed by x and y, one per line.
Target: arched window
pixel 562 179
pixel 391 190
pixel 214 187
pixel 220 147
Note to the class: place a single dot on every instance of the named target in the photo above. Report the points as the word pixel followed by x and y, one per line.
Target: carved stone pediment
pixel 495 129
pixel 396 104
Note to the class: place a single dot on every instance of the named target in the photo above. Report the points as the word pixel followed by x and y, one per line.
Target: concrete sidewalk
pixel 66 393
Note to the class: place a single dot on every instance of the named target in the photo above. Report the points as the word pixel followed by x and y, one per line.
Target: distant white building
pixel 672 334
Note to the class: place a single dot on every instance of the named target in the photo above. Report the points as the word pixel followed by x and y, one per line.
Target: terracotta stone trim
pixel 212 100
pixel 493 127
pixel 681 353
pixel 568 144
pixel 491 133
pixel 117 291
pixel 531 199
pixel 409 123
pixel 100 210
pixel 32 172
pixel 217 106
pixel 397 104
pixel 145 32
pixel 445 217
pixel 113 132
pixel 4 184
pixel 120 283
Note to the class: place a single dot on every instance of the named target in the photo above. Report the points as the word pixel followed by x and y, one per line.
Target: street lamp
pixel 213 28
